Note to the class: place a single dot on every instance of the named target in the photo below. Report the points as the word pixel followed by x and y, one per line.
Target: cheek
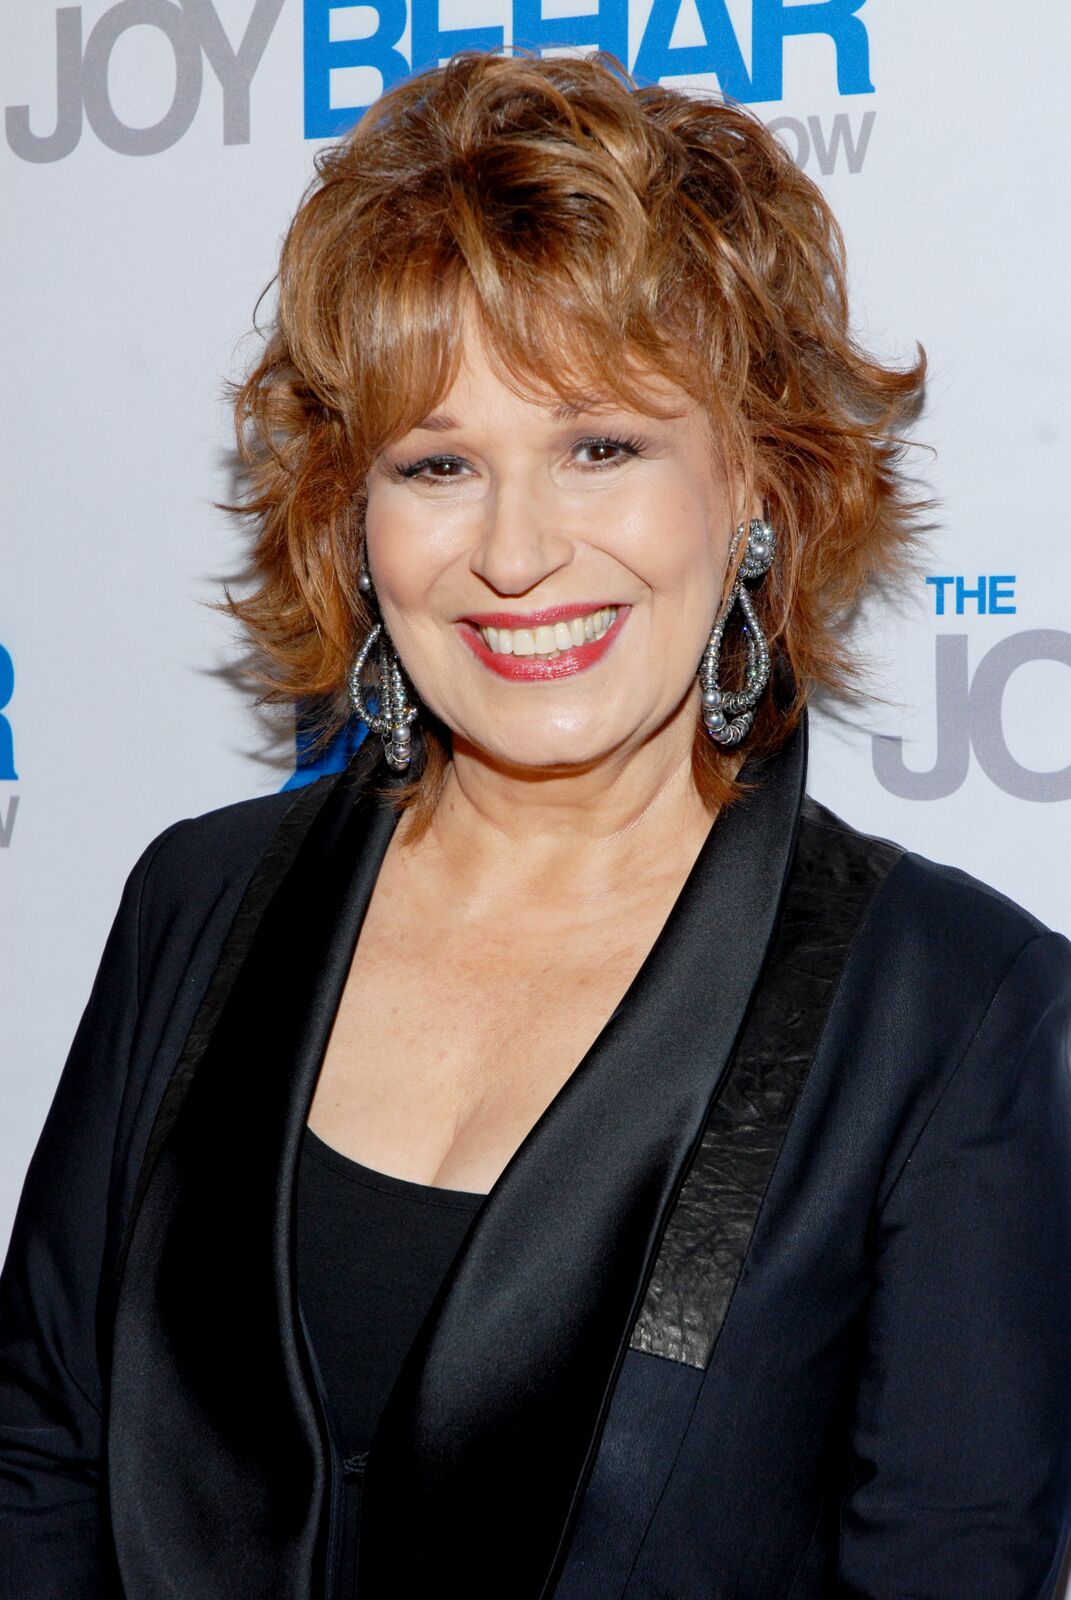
pixel 678 547
pixel 404 552
pixel 406 559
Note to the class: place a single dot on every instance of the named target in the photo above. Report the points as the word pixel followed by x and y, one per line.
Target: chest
pixel 457 1026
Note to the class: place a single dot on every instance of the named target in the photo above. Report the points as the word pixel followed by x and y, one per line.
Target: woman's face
pixel 549 578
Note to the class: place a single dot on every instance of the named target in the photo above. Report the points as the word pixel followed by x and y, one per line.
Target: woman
pixel 335 1272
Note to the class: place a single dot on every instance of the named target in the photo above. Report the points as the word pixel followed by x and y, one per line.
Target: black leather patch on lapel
pixel 834 878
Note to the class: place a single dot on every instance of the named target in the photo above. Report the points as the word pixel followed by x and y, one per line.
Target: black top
pixel 371 1252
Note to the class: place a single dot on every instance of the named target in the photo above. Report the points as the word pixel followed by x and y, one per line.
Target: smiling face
pixel 550 577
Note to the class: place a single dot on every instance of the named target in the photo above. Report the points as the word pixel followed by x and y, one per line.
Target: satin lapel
pixel 489 1435
pixel 217 1459
pixel 835 875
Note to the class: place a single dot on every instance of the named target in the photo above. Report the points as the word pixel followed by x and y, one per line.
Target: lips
pixel 532 646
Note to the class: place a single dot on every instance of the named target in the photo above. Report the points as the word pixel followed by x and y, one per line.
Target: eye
pixel 433 469
pixel 608 452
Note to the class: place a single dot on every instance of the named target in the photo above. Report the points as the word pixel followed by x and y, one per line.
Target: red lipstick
pixel 540 669
pixel 534 619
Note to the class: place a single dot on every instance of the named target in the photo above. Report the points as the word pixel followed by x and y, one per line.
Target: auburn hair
pixel 602 231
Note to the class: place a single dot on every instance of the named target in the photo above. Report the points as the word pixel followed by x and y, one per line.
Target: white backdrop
pixel 154 151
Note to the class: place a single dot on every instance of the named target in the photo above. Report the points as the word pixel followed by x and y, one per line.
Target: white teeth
pixel 550 640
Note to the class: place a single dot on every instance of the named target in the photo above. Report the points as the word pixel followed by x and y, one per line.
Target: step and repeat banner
pixel 152 153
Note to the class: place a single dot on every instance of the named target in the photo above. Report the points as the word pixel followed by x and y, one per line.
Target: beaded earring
pixel 729 713
pixel 393 714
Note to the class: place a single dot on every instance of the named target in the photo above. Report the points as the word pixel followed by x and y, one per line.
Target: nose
pixel 522 537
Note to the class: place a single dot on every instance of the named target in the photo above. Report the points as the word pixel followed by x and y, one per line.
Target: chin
pixel 545 748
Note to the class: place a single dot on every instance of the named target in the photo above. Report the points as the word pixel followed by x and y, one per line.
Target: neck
pixel 604 829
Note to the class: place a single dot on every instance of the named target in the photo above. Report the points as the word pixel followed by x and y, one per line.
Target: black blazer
pixel 774 1301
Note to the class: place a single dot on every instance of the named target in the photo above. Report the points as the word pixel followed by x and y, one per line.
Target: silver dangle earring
pixel 393 714
pixel 729 713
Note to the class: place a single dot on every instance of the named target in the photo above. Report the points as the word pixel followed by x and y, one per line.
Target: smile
pixel 547 645
pixel 549 641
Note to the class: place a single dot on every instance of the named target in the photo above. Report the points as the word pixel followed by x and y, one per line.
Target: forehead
pixel 483 376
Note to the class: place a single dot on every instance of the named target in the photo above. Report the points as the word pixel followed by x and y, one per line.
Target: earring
pixel 393 713
pixel 729 713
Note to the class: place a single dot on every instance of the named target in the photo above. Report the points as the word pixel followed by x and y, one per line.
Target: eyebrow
pixel 565 411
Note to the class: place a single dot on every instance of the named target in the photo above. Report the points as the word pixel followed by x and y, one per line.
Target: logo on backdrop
pixel 8 806
pixel 374 56
pixel 352 52
pixel 970 706
pixel 196 35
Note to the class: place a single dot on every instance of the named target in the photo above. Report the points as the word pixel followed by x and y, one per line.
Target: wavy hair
pixel 601 230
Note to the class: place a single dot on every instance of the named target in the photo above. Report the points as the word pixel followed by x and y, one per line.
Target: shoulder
pixel 223 839
pixel 951 996
pixel 934 918
pixel 198 854
pixel 942 970
pixel 190 879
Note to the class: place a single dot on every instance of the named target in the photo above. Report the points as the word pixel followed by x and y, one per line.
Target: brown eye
pixel 609 452
pixel 434 468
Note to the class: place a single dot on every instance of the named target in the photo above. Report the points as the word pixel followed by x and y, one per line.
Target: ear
pixel 747 505
pixel 740 547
